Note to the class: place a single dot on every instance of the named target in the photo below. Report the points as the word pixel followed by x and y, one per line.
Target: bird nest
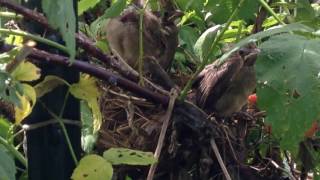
pixel 133 122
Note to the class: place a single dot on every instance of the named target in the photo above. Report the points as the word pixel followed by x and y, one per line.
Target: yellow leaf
pixel 14 40
pixel 93 167
pixel 48 84
pixel 26 71
pixel 28 100
pixel 87 90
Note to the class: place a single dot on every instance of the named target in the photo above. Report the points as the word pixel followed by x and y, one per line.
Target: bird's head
pixel 249 54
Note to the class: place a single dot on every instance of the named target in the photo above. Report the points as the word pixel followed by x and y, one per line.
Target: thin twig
pixel 28 127
pixel 220 161
pixel 166 119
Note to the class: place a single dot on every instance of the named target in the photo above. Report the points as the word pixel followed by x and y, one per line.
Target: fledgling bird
pixel 224 89
pixel 160 41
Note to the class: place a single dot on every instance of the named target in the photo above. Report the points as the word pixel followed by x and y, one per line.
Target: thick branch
pixel 100 73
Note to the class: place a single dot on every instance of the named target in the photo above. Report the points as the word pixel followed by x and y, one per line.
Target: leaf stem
pixel 269 9
pixel 213 45
pixel 35 38
pixel 141 48
pixel 13 151
pixel 64 130
pixel 10 15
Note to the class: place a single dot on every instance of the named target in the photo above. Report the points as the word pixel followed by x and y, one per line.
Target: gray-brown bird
pixel 224 89
pixel 160 41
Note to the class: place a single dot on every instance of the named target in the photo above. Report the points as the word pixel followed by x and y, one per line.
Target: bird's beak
pixel 251 58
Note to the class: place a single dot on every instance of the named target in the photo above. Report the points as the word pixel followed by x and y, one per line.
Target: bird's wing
pixel 215 81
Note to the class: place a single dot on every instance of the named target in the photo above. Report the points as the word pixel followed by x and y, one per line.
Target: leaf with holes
pixel 128 156
pixel 288 70
pixel 93 167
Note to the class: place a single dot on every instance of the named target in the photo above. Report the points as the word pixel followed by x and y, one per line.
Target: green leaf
pixel 115 9
pixel 10 89
pixel 48 84
pixel 204 42
pixel 259 36
pixel 26 71
pixel 84 5
pixel 128 156
pixel 7 166
pixel 304 11
pixel 93 167
pixel 186 5
pixel 222 9
pixel 4 127
pixel 87 90
pixel 188 37
pixel 60 14
pixel 88 138
pixel 289 88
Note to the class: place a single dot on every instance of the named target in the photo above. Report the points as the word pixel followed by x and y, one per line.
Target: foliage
pixel 287 71
pixel 7 166
pixel 61 16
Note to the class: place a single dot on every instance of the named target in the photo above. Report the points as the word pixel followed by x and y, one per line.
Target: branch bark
pixel 98 72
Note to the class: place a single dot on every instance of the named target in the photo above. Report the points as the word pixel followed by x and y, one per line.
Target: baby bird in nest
pixel 160 40
pixel 224 89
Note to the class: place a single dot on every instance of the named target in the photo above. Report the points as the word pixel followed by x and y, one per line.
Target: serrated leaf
pixel 88 138
pixel 288 69
pixel 128 156
pixel 204 42
pixel 26 71
pixel 7 165
pixel 84 5
pixel 60 14
pixel 48 84
pixel 87 90
pixel 28 100
pixel 93 167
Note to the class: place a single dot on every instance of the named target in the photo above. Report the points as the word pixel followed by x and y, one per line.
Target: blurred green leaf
pixel 88 138
pixel 10 89
pixel 7 165
pixel 188 37
pixel 4 127
pixel 289 70
pixel 204 42
pixel 61 15
pixel 84 5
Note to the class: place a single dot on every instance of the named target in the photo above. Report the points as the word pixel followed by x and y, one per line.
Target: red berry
pixel 252 99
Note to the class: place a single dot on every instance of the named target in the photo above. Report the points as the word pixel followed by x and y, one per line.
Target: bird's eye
pixel 243 52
